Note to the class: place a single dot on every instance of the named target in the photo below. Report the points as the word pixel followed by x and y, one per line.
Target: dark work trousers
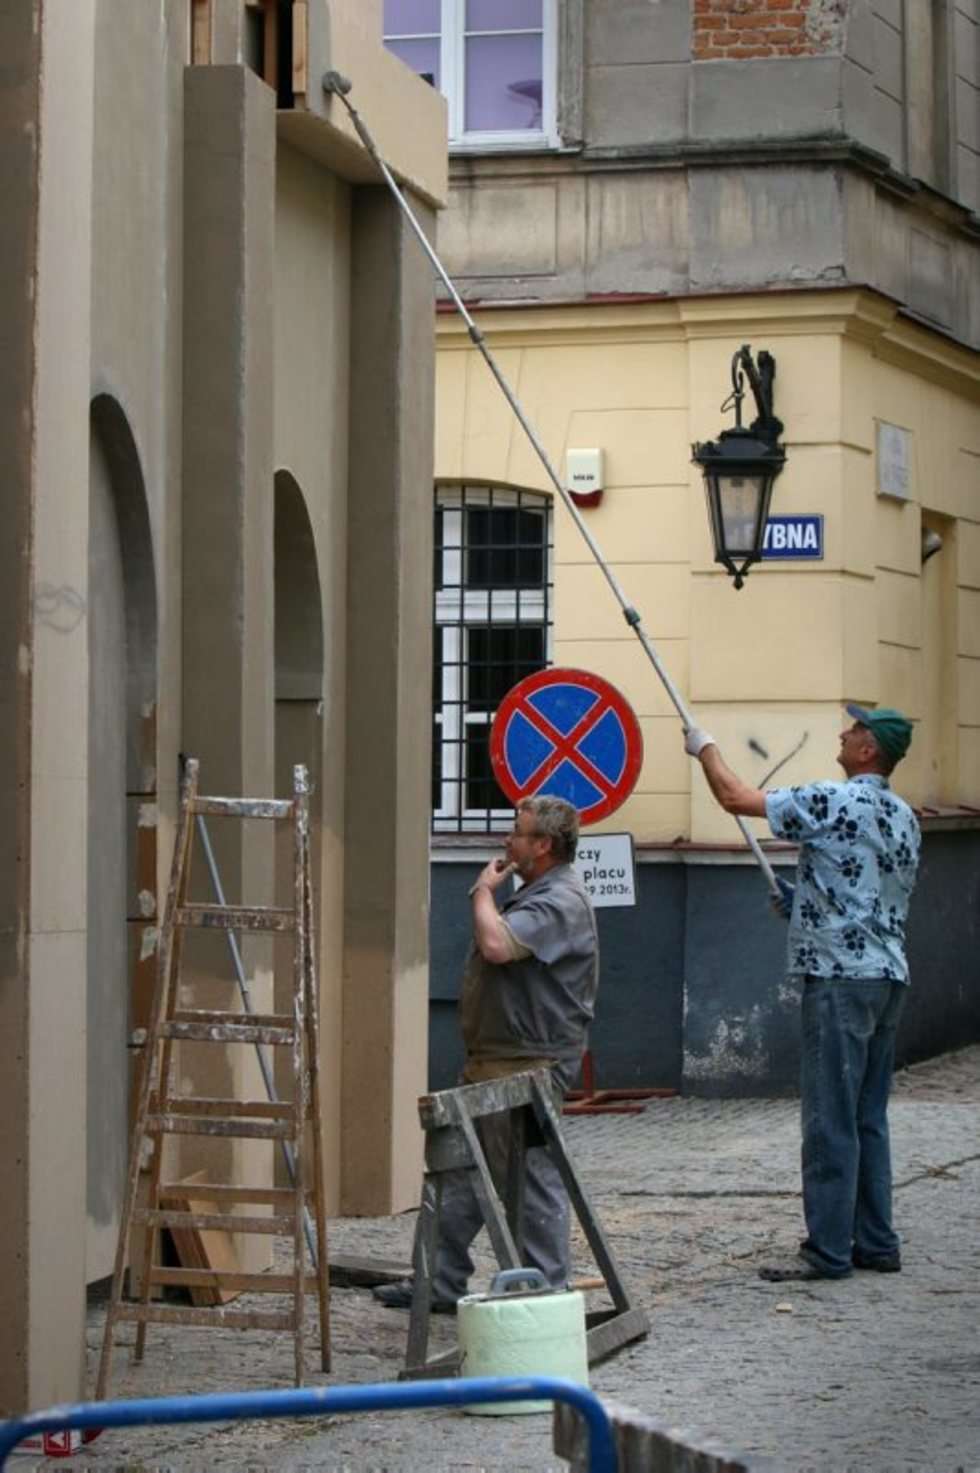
pixel 847 1061
pixel 546 1208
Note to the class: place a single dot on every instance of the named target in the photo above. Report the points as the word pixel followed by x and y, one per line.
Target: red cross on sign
pixel 569 734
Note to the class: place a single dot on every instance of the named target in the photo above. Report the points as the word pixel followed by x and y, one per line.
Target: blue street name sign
pixel 793 537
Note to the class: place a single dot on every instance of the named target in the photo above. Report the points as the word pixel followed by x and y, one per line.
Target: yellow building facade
pixel 766 669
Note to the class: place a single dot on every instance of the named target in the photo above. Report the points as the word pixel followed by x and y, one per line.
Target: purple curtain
pixel 503 83
pixel 504 15
pixel 421 56
pixel 412 17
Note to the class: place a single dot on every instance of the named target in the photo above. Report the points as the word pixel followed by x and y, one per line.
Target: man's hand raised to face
pixel 493 875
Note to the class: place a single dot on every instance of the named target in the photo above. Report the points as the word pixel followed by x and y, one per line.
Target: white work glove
pixel 695 741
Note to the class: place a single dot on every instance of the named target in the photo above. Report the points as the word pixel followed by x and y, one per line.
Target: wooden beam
pixel 300 49
pixel 201 32
pixel 489 1098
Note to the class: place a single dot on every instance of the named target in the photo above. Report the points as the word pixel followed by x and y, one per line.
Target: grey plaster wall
pixel 693 993
pixel 55 647
pixel 637 71
pixel 965 86
pixel 20 45
pixel 227 425
pixel 228 540
pixel 135 348
pixel 137 273
pixel 312 412
pixel 388 691
pixel 175 329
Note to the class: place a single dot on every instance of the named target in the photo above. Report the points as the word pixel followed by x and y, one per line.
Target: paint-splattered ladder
pixel 161 1111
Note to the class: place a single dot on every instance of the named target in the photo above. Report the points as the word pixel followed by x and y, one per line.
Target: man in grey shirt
pixel 527 999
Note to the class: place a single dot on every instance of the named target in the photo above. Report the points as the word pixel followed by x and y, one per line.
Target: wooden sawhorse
pixel 452 1144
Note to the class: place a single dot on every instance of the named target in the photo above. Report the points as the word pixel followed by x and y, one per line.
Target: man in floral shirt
pixel 859 850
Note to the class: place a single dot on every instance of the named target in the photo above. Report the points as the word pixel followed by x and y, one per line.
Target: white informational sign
pixel 893 461
pixel 605 863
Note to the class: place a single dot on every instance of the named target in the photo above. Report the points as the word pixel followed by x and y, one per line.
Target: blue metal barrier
pixel 321 1401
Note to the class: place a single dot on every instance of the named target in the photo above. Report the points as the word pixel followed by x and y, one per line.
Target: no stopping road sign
pixel 570 734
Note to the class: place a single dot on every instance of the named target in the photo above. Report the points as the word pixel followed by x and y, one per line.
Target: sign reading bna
pixel 794 537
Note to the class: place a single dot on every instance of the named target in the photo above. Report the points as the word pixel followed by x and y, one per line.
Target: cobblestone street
pixel 877 1373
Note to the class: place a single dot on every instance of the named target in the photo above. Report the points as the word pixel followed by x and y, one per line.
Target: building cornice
pixel 820 150
pixel 858 313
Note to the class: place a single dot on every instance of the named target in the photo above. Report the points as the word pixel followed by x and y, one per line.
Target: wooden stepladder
pixel 452 1144
pixel 162 1111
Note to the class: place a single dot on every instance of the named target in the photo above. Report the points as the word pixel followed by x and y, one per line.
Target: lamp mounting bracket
pixel 765 426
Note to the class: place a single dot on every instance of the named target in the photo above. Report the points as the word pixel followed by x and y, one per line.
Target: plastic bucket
pixel 540 1332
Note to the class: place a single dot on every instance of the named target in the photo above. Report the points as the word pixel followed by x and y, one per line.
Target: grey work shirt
pixel 540 1005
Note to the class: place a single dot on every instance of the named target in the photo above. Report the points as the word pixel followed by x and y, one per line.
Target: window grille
pixel 493 617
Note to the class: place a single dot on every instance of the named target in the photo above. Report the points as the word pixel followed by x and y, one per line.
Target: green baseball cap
pixel 890 729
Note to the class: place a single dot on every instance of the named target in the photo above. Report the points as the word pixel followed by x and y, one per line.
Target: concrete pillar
pixel 46 158
pixel 227 32
pixel 228 655
pixel 387 824
pixel 20 40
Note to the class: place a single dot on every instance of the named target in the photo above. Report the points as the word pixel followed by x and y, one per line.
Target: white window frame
pixel 456 610
pixel 452 67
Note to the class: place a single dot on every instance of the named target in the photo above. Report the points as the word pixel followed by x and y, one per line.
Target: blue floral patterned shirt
pixel 859 851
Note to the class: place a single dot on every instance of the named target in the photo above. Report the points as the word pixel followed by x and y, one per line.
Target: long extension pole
pixel 339 86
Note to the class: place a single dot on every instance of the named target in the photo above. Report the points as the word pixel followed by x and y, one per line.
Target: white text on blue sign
pixel 793 537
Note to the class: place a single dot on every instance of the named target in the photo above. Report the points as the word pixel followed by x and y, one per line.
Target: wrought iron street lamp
pixel 740 467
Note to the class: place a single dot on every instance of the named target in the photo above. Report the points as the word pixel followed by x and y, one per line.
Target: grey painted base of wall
pixel 693 994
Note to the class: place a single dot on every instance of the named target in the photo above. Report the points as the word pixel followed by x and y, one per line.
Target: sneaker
pixel 399 1296
pixel 886 1263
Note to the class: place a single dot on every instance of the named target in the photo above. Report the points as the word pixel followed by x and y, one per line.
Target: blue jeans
pixel 848 1057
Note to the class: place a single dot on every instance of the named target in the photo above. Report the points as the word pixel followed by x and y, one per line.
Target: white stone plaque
pixel 894 461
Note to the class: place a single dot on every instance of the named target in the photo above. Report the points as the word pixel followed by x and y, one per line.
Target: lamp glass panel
pixel 740 506
pixel 711 497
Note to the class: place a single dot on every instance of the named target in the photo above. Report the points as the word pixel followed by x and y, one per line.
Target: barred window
pixel 493 555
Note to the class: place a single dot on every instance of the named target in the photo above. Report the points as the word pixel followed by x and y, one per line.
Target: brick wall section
pixel 736 30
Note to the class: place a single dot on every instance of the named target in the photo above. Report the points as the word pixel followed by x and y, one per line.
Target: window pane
pixel 437 658
pixel 499 657
pixel 503 15
pixel 437 550
pixel 436 795
pixel 481 787
pixel 411 17
pixel 421 56
pixel 506 548
pixel 503 83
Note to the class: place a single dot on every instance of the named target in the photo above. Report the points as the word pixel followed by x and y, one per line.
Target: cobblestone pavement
pixel 877 1373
